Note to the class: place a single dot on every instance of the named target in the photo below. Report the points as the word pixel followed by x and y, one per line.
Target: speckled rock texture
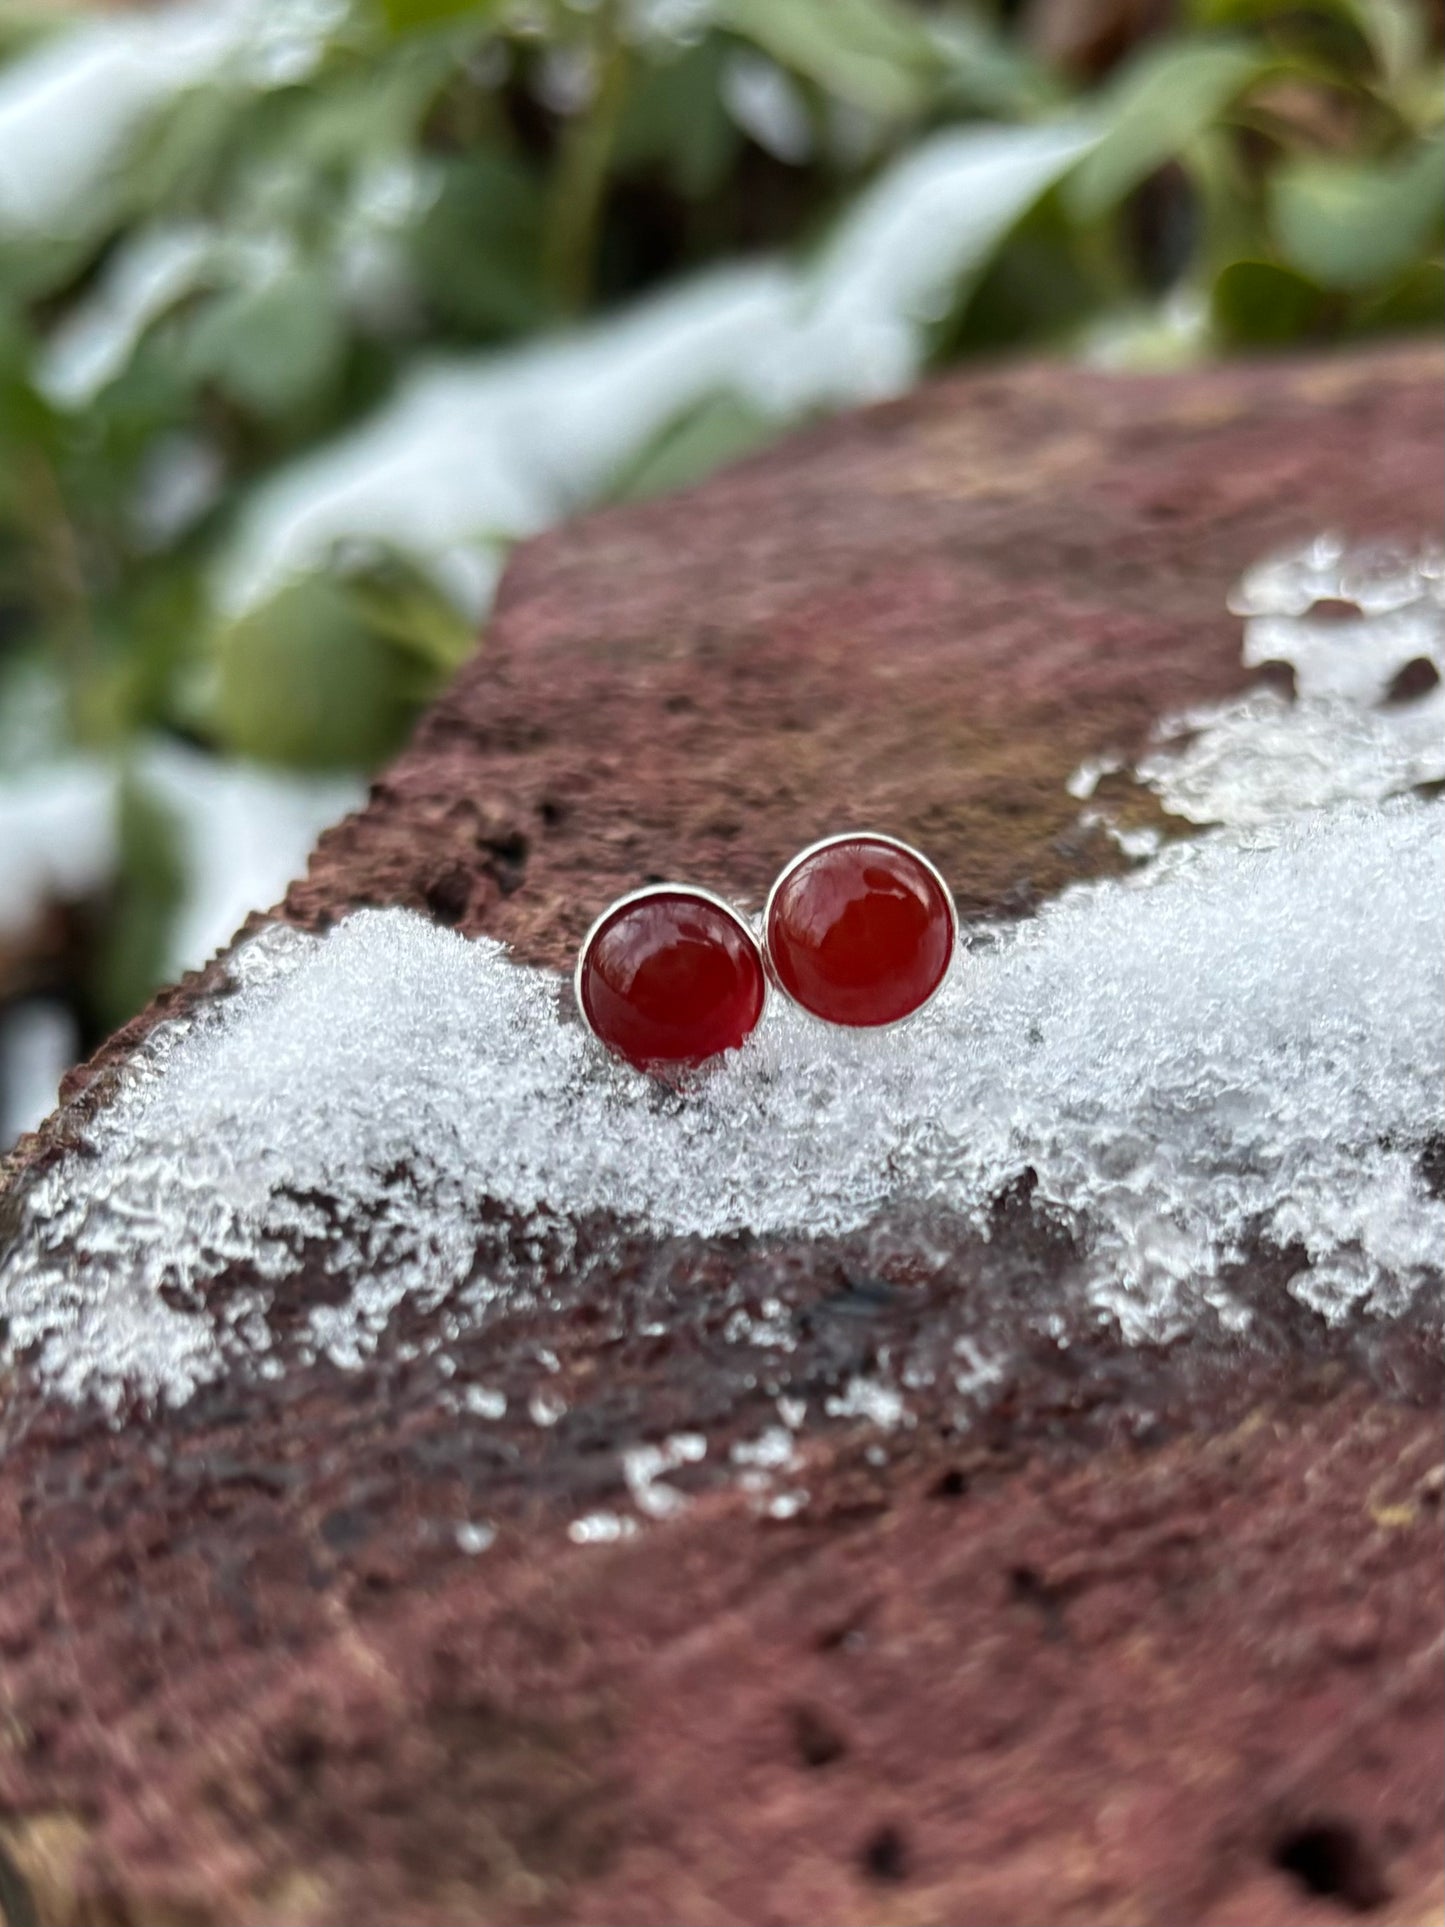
pixel 1157 1640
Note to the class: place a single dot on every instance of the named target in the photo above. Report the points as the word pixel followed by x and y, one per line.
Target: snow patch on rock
pixel 1238 1047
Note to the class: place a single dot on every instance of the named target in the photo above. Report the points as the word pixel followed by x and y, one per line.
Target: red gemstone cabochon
pixel 671 978
pixel 860 932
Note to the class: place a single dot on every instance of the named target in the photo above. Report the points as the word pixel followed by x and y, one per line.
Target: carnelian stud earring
pixel 860 930
pixel 670 976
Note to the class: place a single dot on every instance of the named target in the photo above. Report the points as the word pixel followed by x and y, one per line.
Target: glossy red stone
pixel 670 978
pixel 860 931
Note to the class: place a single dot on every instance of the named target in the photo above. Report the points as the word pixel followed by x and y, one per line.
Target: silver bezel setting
pixel 649 890
pixel 828 843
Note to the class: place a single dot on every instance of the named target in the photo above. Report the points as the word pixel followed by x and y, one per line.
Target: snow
pixel 72 109
pixel 1236 1048
pixel 38 1044
pixel 148 274
pixel 246 831
pixel 766 103
pixel 57 836
pixel 469 455
pixel 1342 738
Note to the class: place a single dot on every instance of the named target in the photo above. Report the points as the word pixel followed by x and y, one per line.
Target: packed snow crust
pixel 1237 1047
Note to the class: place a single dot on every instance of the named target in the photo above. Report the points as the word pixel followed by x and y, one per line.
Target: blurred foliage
pixel 149 880
pixel 453 174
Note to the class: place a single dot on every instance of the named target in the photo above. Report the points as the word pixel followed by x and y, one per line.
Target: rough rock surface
pixel 1158 1639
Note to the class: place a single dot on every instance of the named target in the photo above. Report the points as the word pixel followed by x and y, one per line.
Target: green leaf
pixel 150 879
pixel 33 266
pixel 274 347
pixel 721 429
pixel 1397 33
pixel 476 251
pixel 23 23
pixel 1164 98
pixel 367 116
pixel 1348 224
pixel 1258 304
pixel 874 53
pixel 160 624
pixel 1416 300
pixel 674 119
pixel 27 422
pixel 305 680
pixel 1040 286
pixel 993 74
pixel 401 605
pixel 1394 31
pixel 408 16
pixel 181 155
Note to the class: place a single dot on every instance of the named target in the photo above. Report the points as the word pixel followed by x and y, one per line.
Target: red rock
pixel 1047 1670
pixel 671 977
pixel 860 931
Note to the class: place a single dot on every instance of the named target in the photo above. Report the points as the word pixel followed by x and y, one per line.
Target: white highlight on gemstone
pixel 1237 1047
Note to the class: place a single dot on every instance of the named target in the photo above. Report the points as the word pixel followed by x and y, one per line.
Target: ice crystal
pixel 1236 1047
